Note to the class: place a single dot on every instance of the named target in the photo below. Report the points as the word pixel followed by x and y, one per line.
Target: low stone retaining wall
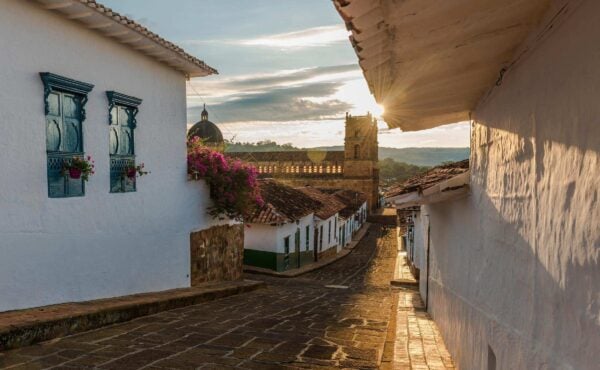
pixel 217 254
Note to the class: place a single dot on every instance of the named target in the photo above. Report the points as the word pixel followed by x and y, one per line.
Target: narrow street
pixel 344 315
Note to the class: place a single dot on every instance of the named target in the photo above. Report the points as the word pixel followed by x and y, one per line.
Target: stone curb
pixel 49 322
pixel 320 264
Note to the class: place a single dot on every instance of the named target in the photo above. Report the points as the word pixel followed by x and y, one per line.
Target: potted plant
pixel 132 172
pixel 79 168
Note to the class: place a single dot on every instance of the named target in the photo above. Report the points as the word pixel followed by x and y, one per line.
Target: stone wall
pixel 217 254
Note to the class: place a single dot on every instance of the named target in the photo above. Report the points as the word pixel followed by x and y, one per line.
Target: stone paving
pixel 342 316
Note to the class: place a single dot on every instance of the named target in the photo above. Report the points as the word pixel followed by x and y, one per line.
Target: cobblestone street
pixel 344 315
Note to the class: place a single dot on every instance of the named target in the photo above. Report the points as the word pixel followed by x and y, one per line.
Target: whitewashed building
pixel 326 222
pixel 280 235
pixel 352 217
pixel 78 79
pixel 513 265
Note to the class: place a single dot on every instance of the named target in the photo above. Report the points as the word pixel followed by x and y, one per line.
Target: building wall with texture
pixel 515 267
pixel 102 244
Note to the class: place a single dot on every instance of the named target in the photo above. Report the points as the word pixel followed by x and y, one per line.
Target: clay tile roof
pixel 430 178
pixel 351 199
pixel 290 156
pixel 143 31
pixel 330 204
pixel 282 204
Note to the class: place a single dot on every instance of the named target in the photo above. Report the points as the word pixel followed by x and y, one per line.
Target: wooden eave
pixel 429 62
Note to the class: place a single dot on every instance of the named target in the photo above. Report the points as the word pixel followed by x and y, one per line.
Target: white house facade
pixel 280 235
pixel 274 246
pixel 514 273
pixel 77 88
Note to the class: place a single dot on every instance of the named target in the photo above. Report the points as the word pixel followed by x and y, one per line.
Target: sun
pixel 377 110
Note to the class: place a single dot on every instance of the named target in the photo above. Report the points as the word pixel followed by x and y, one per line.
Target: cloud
pixel 310 37
pixel 279 104
pixel 220 87
pixel 306 38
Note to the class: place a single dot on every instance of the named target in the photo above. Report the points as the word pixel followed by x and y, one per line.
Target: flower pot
pixel 75 173
pixel 131 172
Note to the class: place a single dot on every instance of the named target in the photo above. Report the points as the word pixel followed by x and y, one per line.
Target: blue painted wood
pixel 122 120
pixel 64 102
pixel 53 82
pixel 119 183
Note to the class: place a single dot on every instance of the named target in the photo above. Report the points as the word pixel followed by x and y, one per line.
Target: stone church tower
pixel 360 147
pixel 361 157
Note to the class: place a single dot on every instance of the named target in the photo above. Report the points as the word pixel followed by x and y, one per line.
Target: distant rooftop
pixel 428 179
pixel 330 203
pixel 283 204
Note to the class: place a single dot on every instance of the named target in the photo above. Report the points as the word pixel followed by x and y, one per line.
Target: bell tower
pixel 361 147
pixel 361 158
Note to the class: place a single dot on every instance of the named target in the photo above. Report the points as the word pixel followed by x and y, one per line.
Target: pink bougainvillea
pixel 233 184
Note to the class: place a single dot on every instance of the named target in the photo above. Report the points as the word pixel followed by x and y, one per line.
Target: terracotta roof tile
pixel 282 204
pixel 130 23
pixel 330 204
pixel 429 178
pixel 350 198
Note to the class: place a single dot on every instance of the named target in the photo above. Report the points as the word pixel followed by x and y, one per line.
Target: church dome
pixel 206 130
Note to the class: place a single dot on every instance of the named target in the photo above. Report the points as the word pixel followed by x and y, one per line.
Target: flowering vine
pixel 233 184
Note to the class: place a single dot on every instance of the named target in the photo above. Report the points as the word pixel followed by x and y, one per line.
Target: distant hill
pixel 424 156
pixel 415 156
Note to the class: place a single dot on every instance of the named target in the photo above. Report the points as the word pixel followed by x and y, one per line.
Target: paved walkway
pixel 342 316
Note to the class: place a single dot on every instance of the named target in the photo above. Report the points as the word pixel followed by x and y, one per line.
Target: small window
pixel 356 151
pixel 307 237
pixel 122 124
pixel 64 105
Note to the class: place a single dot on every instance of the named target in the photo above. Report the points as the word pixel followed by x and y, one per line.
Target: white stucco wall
pixel 100 245
pixel 269 238
pixel 516 265
pixel 421 221
pixel 290 230
pixel 328 242
pixel 260 237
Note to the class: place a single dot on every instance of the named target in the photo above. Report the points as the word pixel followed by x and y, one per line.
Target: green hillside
pixel 415 156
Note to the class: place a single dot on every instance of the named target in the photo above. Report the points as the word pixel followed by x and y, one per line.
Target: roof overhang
pixel 454 188
pixel 428 62
pixel 126 31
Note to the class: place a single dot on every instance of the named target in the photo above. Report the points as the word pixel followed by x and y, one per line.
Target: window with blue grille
pixel 122 112
pixel 64 105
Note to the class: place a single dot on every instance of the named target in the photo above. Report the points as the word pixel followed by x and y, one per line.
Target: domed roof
pixel 206 130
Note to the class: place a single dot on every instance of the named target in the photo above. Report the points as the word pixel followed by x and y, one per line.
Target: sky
pixel 287 71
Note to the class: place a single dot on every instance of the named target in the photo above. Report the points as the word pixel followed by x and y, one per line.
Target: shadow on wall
pixel 522 252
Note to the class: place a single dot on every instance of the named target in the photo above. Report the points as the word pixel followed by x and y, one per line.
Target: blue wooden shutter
pixel 122 112
pixel 64 102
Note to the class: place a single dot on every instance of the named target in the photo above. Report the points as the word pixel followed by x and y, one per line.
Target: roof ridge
pixel 146 32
